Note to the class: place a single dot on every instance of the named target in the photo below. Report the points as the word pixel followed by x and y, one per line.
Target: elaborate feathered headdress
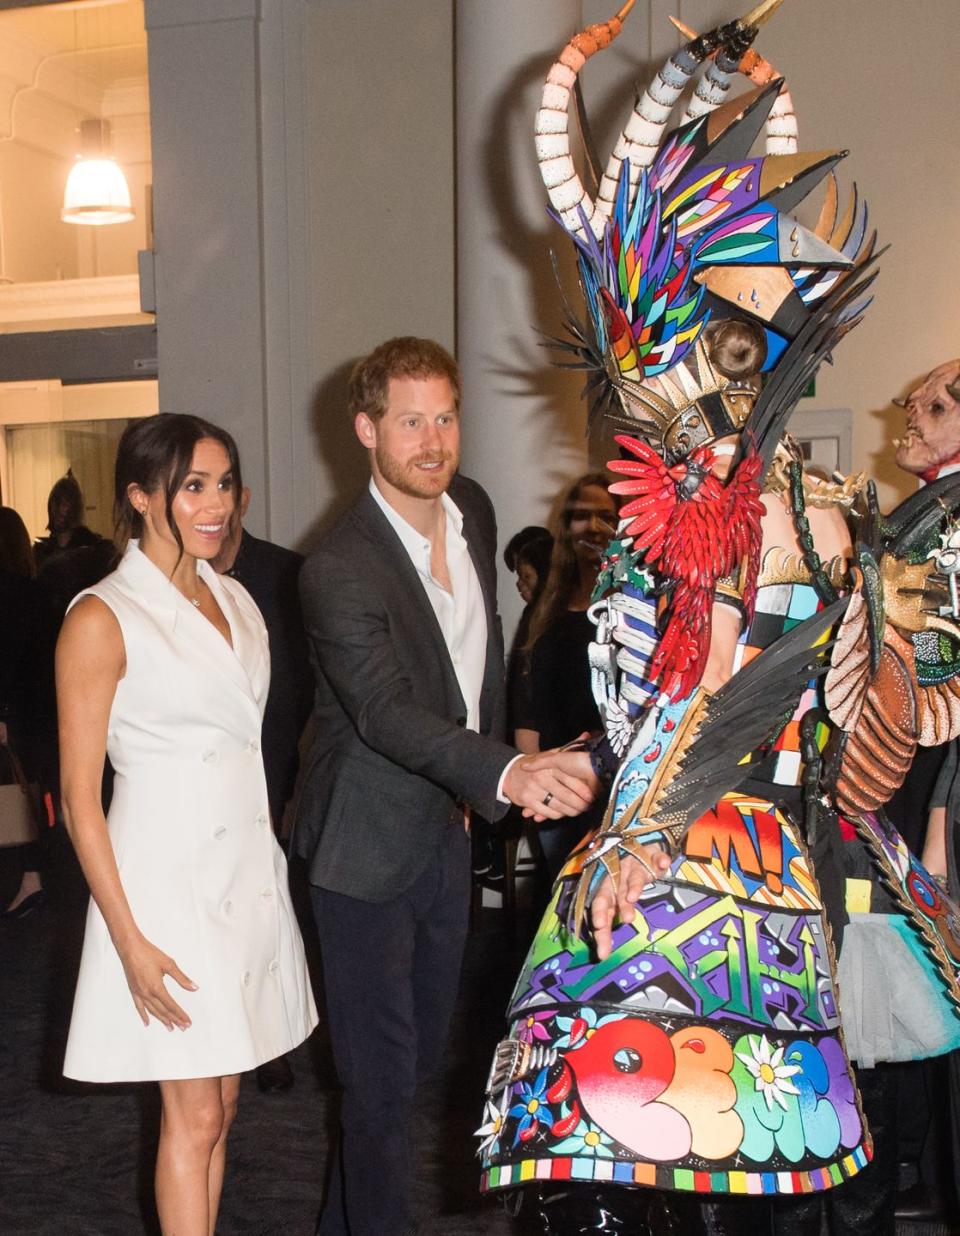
pixel 691 228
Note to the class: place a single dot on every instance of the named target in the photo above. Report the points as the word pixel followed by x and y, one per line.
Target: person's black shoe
pixel 918 1205
pixel 275 1076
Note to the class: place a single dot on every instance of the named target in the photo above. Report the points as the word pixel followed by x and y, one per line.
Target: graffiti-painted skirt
pixel 705 1053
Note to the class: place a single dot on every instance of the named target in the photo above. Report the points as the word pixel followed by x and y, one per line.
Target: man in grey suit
pixel 400 607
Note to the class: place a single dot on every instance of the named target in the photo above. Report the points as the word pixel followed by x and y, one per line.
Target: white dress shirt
pixel 461 613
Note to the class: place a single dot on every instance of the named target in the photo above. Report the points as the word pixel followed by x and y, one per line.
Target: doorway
pixel 47 429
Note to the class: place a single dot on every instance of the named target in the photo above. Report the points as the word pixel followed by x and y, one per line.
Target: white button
pixel 220 832
pixel 261 820
pixel 267 894
pixel 253 746
pixel 245 978
pixel 209 757
pixel 274 966
pixel 227 908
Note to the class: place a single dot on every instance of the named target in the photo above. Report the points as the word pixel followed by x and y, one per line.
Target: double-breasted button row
pixel 261 821
pixel 211 756
pixel 246 978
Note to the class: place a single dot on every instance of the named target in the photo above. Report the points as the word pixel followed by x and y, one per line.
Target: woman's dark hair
pixel 156 453
pixel 513 547
pixel 536 554
pixel 16 552
pixel 67 489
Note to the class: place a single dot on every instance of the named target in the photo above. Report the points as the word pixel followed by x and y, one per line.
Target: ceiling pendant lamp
pixel 97 192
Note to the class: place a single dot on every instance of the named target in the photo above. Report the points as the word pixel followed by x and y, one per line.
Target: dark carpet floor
pixel 76 1160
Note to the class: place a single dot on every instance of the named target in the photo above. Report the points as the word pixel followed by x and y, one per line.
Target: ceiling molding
pixel 113 299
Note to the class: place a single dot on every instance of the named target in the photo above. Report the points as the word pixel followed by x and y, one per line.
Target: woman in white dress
pixel 192 969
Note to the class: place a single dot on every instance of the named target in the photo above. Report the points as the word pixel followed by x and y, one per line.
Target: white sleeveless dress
pixel 190 828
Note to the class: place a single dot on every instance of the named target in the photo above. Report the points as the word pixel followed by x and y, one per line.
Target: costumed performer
pixel 694 1044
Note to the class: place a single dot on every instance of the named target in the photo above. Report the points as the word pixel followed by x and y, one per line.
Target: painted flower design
pixel 575 1031
pixel 531 1029
pixel 771 1077
pixel 586 1139
pixel 489 1132
pixel 530 1108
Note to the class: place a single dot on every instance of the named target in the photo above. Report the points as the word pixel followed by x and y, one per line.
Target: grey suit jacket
pixel 391 757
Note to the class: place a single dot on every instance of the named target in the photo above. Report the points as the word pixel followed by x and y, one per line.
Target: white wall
pixel 380 184
pixel 36 246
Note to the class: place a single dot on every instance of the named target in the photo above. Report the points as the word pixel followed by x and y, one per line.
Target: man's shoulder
pixel 352 535
pixel 466 489
pixel 261 551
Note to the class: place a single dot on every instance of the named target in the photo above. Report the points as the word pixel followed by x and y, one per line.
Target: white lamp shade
pixel 96 193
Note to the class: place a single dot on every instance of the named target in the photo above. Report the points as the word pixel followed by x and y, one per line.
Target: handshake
pixel 551 784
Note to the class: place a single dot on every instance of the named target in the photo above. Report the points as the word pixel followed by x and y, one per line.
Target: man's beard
pixel 409 480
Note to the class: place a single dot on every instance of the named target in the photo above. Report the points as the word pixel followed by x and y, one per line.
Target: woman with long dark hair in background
pixel 561 702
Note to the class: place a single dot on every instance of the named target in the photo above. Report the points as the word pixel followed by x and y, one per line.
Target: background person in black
pixel 527 554
pixel 560 698
pixel 271 574
pixel 64 522
pixel 21 702
pixel 72 557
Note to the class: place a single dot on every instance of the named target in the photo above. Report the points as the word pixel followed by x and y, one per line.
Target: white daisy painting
pixel 771 1077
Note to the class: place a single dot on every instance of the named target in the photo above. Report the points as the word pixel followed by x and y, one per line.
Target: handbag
pixel 19 815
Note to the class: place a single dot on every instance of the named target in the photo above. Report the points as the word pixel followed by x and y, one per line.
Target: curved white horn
pixel 640 139
pixel 564 187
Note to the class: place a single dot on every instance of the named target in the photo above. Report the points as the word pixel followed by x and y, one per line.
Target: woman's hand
pixel 610 903
pixel 145 967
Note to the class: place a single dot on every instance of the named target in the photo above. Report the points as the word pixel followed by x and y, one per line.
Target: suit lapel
pixel 481 565
pixel 410 586
pixel 376 524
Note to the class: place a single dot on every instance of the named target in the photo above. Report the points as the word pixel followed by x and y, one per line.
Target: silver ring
pixel 548 799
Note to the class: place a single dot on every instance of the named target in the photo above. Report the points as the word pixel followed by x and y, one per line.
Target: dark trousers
pixel 391 972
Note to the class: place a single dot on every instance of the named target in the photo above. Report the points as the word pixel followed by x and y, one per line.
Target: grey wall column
pixel 523 425
pixel 204 102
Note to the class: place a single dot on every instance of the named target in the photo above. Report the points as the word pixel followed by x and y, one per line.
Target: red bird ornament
pixel 693 529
